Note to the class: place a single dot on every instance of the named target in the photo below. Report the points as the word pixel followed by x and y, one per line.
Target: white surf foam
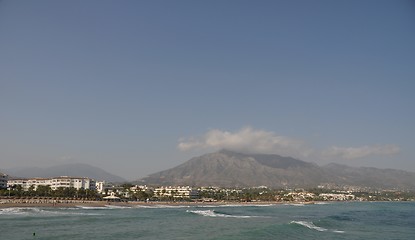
pixel 235 205
pixel 23 211
pixel 162 206
pixel 295 204
pixel 103 207
pixel 212 213
pixel 263 205
pixel 32 211
pixel 12 211
pixel 309 225
pixel 92 208
pixel 116 207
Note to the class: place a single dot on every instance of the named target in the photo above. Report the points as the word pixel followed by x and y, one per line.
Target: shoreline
pixel 87 203
pixel 80 204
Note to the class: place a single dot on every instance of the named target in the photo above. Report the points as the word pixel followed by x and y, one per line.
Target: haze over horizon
pixel 136 87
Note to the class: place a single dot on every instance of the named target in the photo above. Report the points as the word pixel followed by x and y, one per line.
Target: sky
pixel 136 87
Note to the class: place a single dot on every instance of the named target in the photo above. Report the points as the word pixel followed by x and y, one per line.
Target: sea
pixel 340 220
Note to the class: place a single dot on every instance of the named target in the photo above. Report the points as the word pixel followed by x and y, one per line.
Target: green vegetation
pixel 46 191
pixel 302 195
pixel 128 192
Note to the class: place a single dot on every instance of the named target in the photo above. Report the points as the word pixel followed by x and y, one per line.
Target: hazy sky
pixel 136 87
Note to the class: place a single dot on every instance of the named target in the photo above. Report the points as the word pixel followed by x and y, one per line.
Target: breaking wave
pixel 116 207
pixel 295 204
pixel 161 206
pixel 235 205
pixel 92 208
pixel 33 211
pixel 310 225
pixel 213 213
pixel 19 211
pixel 102 207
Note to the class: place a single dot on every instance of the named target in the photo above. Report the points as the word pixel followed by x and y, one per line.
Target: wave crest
pixel 309 225
pixel 212 213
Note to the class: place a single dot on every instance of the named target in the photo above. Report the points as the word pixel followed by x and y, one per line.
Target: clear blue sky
pixel 137 87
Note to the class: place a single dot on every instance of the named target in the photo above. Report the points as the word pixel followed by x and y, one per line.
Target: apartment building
pixel 3 180
pixel 175 192
pixel 54 183
pixel 100 186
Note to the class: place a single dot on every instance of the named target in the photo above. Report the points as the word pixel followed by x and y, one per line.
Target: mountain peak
pixel 270 160
pixel 231 153
pixel 227 168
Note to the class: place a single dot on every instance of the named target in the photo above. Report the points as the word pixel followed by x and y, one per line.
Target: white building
pixel 138 188
pixel 300 196
pixel 54 183
pixel 337 197
pixel 175 192
pixel 3 180
pixel 75 182
pixel 100 186
pixel 27 183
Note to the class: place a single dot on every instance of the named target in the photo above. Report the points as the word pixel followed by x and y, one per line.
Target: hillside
pixel 231 169
pixel 370 177
pixel 75 169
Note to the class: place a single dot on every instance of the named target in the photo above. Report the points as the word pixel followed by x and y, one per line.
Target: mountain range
pixel 232 169
pixel 73 169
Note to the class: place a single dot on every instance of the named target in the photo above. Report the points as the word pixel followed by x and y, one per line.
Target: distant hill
pixel 75 169
pixel 231 169
pixel 370 177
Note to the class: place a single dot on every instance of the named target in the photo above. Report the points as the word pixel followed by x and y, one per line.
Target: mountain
pixel 231 169
pixel 370 177
pixel 74 169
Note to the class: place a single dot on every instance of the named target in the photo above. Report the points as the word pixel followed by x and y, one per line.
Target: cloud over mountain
pixel 360 152
pixel 246 140
pixel 251 140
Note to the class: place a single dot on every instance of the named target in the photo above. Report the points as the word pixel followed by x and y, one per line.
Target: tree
pixel 141 195
pixel 31 191
pixel 43 191
pixel 19 190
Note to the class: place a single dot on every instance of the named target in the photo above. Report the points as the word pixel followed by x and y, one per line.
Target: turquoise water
pixel 318 221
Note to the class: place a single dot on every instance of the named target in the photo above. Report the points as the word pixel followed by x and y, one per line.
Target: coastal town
pixel 69 189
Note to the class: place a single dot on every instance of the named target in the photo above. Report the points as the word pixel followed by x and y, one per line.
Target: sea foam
pixel 103 207
pixel 33 211
pixel 161 206
pixel 212 213
pixel 116 207
pixel 309 225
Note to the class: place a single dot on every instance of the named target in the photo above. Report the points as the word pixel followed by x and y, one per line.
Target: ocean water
pixel 347 220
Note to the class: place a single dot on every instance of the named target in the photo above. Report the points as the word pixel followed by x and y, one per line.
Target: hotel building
pixel 54 183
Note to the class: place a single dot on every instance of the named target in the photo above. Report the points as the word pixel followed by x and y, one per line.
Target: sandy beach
pixel 40 202
pixel 59 203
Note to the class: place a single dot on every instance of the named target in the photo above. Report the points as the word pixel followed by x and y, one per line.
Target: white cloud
pixel 246 140
pixel 251 140
pixel 360 152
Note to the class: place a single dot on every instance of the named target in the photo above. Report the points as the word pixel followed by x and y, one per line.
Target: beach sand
pixel 87 203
